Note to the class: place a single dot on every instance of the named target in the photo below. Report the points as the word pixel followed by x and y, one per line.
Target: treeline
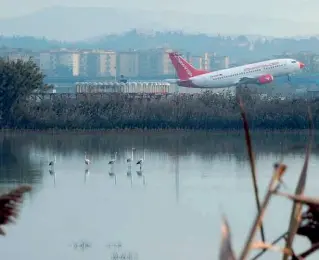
pixel 119 111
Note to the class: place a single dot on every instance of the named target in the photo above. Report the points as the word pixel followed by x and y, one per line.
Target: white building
pixel 60 62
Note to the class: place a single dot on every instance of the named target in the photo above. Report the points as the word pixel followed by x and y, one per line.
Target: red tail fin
pixel 183 69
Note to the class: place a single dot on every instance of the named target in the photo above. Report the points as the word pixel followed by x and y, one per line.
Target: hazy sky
pixel 297 10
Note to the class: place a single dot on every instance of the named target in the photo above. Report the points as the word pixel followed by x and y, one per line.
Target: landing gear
pixel 289 78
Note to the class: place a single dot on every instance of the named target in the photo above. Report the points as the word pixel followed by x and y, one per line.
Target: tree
pixel 18 79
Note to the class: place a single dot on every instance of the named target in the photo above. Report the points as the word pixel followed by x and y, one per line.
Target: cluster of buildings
pixel 153 63
pixel 140 71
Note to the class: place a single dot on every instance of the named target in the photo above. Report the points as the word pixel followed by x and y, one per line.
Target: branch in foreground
pixel 252 163
pixel 9 205
pixel 274 184
pixel 295 216
pixel 272 243
pixel 226 250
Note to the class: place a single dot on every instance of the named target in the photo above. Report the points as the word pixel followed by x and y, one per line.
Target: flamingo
pixel 53 162
pixel 141 161
pixel 86 160
pixel 112 161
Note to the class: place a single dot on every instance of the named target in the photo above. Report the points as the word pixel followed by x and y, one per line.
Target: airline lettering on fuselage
pixel 262 66
pixel 184 66
pixel 214 76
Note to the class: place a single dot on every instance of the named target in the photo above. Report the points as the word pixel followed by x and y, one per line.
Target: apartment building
pixel 155 63
pixel 197 62
pixel 98 63
pixel 219 62
pixel 63 63
pixel 168 68
pixel 202 62
pixel 127 64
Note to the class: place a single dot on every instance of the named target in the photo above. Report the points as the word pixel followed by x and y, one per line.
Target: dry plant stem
pixel 259 245
pixel 273 185
pixel 295 217
pixel 226 251
pixel 273 243
pixel 252 163
pixel 299 198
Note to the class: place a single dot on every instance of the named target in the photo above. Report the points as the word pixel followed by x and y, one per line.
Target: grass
pixel 207 111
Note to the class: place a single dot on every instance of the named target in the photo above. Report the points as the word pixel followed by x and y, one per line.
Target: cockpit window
pixel 293 61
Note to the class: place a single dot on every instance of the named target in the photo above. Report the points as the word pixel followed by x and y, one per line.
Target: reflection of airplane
pixel 256 73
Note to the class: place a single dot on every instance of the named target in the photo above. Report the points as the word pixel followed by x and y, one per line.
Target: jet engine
pixel 265 79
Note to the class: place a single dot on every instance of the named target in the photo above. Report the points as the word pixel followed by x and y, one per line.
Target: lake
pixel 172 211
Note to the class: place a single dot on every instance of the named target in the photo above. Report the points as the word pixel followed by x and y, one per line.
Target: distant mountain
pixel 79 23
pixel 238 48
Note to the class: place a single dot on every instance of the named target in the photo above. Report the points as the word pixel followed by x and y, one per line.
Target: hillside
pixel 237 47
pixel 79 23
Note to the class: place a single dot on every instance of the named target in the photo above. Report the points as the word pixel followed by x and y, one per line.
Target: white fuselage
pixel 231 77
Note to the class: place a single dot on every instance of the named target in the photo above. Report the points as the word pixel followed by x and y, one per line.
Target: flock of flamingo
pixel 129 161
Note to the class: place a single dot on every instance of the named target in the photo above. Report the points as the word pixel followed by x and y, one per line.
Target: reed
pixel 302 222
pixel 9 205
pixel 206 111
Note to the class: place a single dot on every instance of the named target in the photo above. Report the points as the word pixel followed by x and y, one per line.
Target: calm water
pixel 171 212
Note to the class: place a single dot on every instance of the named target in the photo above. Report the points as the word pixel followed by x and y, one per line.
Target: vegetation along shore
pixel 207 111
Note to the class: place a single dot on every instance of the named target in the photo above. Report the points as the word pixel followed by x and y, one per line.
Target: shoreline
pixel 152 131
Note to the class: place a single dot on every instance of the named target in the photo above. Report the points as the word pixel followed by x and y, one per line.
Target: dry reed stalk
pixel 274 184
pixel 272 243
pixel 226 250
pixel 251 162
pixel 295 217
pixel 299 198
pixel 310 229
pixel 268 246
pixel 9 203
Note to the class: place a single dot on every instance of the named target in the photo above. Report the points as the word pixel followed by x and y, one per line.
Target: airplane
pixel 259 73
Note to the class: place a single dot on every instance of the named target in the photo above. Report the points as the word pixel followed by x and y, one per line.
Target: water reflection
pixel 17 164
pixel 188 174
pixel 52 173
pixel 86 174
pixel 141 175
pixel 113 176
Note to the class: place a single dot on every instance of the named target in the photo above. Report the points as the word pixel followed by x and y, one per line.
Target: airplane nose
pixel 301 65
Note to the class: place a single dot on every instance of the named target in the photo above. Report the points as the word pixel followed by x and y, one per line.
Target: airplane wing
pixel 260 80
pixel 247 80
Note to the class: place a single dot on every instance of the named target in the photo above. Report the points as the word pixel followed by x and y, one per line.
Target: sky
pixel 263 15
pixel 296 10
